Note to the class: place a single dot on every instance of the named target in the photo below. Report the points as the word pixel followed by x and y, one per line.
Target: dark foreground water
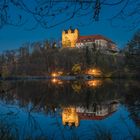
pixel 70 110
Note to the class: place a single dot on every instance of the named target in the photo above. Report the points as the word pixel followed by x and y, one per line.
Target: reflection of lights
pixel 94 83
pixel 60 82
pixel 56 81
pixel 93 71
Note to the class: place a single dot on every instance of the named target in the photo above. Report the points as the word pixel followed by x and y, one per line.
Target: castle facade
pixel 69 38
pixel 72 38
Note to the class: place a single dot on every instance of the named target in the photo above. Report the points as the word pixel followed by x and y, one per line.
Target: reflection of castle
pixel 97 111
pixel 70 116
pixel 72 38
pixel 73 115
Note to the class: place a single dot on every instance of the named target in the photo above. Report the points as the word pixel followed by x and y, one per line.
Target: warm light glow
pixel 53 74
pixel 59 82
pixel 94 72
pixel 56 81
pixel 60 73
pixel 94 83
pixel 56 74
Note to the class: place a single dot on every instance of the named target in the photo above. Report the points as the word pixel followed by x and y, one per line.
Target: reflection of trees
pixel 31 126
pixel 45 96
pixel 7 89
pixel 48 95
pixel 132 134
pixel 76 86
pixel 101 133
pixel 132 101
pixel 8 128
pixel 6 132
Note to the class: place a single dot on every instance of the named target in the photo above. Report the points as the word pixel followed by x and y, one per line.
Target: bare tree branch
pixel 50 13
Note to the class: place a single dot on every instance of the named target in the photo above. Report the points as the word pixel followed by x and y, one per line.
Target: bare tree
pixel 50 13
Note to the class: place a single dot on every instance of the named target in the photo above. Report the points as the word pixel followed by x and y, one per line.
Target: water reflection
pixel 56 81
pixel 73 115
pixel 45 108
pixel 94 83
pixel 97 111
pixel 76 86
pixel 70 116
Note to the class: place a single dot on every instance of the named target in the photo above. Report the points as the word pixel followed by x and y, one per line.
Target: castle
pixel 71 38
pixel 72 115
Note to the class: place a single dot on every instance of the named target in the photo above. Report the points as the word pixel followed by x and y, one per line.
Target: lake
pixel 100 109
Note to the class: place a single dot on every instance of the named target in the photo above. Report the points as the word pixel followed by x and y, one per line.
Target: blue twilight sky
pixel 13 37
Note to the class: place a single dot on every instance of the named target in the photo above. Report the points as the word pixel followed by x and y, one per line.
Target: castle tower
pixel 69 38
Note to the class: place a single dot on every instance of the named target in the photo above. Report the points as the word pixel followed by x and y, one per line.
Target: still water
pixel 100 109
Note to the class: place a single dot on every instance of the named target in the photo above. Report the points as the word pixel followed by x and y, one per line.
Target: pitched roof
pixel 88 116
pixel 93 38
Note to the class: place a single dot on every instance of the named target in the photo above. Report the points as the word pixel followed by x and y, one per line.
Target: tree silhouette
pixel 50 13
pixel 132 52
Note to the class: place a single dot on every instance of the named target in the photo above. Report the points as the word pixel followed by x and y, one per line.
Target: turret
pixel 76 31
pixel 69 37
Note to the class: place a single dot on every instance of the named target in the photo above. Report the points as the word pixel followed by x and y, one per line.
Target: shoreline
pixel 64 78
